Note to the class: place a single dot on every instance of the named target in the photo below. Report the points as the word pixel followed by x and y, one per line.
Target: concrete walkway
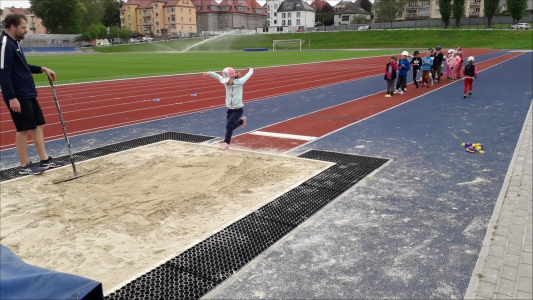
pixel 504 267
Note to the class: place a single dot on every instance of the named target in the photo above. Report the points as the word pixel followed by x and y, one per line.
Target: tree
pixel 111 15
pixel 95 12
pixel 97 31
pixel 458 9
pixel 358 20
pixel 388 10
pixel 445 7
pixel 366 5
pixel 517 9
pixel 490 9
pixel 326 8
pixel 60 16
pixel 116 32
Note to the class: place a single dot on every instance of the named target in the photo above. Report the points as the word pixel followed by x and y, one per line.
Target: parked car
pixel 171 37
pixel 104 44
pixel 364 27
pixel 147 39
pixel 299 30
pixel 134 41
pixel 521 26
pixel 316 29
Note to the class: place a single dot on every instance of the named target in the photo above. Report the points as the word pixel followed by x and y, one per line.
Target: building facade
pixel 289 15
pixel 229 14
pixel 349 13
pixel 159 17
pixel 35 25
pixel 429 9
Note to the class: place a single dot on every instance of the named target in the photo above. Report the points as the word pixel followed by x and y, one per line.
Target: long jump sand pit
pixel 144 206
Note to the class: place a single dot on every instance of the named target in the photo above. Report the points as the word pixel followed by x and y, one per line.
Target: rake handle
pixel 64 128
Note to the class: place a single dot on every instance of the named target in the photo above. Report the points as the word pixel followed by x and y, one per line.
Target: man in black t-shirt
pixel 416 63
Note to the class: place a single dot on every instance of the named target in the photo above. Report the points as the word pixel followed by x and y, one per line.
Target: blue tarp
pixel 19 280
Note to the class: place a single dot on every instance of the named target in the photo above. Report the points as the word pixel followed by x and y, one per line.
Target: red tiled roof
pixel 318 4
pixel 19 10
pixel 140 3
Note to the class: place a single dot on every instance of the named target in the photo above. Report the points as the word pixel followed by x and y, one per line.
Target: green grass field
pixel 490 39
pixel 92 67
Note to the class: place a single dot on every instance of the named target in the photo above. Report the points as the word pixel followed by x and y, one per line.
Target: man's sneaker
pixel 51 163
pixel 470 93
pixel 243 122
pixel 31 169
pixel 464 96
pixel 388 96
pixel 400 92
pixel 224 146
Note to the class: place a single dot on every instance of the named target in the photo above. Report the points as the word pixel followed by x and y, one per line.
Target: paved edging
pixel 487 242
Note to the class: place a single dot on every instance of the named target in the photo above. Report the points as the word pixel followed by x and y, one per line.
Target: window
pixel 173 26
pixel 181 9
pixel 275 21
pixel 437 3
pixel 168 19
pixel 275 6
pixel 157 31
pixel 129 17
pixel 297 21
pixel 157 15
pixel 190 27
pixel 129 25
pixel 190 20
pixel 157 24
pixel 298 14
pixel 437 11
pixel 181 27
pixel 283 23
pixel 181 19
pixel 275 14
pixel 268 16
pixel 189 10
pixel 283 15
pixel 289 15
pixel 225 17
pixel 289 22
pixel 155 6
pixel 476 10
pixel 345 18
pixel 128 9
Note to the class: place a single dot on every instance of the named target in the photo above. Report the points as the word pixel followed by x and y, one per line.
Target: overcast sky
pixel 26 3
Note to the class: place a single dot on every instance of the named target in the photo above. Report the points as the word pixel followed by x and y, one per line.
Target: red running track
pixel 325 121
pixel 97 106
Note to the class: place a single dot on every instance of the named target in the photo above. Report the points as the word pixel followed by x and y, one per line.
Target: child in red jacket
pixel 470 73
pixel 390 75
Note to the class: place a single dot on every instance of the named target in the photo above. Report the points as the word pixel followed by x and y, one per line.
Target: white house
pixel 289 15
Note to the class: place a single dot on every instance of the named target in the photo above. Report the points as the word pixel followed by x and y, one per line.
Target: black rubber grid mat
pixel 201 268
pixel 11 173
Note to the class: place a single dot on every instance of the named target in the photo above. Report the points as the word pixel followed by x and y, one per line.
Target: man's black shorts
pixel 30 115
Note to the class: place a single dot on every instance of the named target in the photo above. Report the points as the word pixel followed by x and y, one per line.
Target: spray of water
pixel 211 39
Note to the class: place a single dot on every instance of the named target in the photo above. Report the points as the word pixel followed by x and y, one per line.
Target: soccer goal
pixel 287 45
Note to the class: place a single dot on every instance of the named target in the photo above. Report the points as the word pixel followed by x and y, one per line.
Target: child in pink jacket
pixel 470 73
pixel 449 64
pixel 457 64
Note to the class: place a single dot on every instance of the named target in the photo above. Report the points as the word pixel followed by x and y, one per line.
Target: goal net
pixel 287 45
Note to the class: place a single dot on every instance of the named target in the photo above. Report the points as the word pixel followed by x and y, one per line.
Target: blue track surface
pixel 415 229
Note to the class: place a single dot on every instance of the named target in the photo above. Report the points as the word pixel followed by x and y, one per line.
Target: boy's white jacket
pixel 234 92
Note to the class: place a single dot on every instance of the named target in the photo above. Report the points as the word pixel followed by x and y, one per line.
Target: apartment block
pixel 161 17
pixel 229 14
pixel 429 9
pixel 35 25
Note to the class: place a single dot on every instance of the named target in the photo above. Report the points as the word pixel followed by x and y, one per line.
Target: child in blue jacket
pixel 403 68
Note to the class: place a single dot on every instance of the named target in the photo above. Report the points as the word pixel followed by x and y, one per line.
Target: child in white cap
pixel 449 64
pixel 403 68
pixel 234 116
pixel 470 72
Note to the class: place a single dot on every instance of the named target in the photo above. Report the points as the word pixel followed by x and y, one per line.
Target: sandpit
pixel 144 206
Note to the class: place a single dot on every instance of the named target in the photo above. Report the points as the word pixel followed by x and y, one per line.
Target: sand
pixel 143 207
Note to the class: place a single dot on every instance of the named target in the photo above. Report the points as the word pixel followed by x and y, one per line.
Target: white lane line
pixel 284 136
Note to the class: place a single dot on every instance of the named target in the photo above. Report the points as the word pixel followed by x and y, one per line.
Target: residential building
pixel 503 6
pixel 429 9
pixel 159 17
pixel 35 25
pixel 229 14
pixel 342 5
pixel 349 13
pixel 289 15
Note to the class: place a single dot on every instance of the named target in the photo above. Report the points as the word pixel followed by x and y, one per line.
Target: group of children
pixel 428 69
